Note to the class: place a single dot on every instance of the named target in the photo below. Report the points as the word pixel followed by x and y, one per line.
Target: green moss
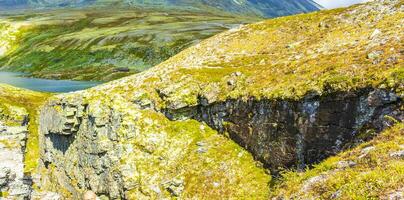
pixel 9 144
pixel 4 194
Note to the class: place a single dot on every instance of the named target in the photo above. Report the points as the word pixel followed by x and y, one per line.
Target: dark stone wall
pixel 284 134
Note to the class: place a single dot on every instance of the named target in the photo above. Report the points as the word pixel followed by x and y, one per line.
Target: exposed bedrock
pixel 84 143
pixel 284 134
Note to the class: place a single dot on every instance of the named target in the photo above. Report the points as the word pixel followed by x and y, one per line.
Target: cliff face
pixel 290 96
pixel 284 134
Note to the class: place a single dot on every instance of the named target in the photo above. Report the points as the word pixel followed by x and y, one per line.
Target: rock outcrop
pixel 13 182
pixel 19 144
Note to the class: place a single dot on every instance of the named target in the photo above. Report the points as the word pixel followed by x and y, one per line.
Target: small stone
pixel 4 176
pixel 175 187
pixel 200 144
pixel 310 183
pixel 375 33
pixel 346 164
pixel 231 82
pixel 202 150
pixel 396 196
pixel 336 195
pixel 367 149
pixel 392 60
pixel 374 54
pixel 216 184
pixel 155 189
pixel 398 154
pixel 323 25
pixel 89 195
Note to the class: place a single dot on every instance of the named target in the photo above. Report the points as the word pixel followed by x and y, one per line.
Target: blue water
pixel 44 85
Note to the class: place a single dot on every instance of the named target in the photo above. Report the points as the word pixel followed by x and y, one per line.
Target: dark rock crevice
pixel 288 133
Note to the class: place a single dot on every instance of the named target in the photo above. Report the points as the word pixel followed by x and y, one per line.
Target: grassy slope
pixel 12 98
pixel 284 58
pixel 88 44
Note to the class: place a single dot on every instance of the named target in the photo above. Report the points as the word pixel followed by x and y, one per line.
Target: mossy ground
pixel 12 98
pixel 97 43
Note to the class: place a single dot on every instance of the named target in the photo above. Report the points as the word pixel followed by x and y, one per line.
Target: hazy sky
pixel 338 3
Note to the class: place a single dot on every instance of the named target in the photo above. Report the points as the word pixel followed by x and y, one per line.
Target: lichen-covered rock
pixel 125 152
pixel 13 183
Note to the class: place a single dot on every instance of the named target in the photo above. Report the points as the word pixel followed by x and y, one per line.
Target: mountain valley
pixel 307 106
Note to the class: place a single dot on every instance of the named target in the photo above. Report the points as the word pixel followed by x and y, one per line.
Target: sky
pixel 338 3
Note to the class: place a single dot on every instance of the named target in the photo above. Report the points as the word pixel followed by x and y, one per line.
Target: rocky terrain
pixel 290 92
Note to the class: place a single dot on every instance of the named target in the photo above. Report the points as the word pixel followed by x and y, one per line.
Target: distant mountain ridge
pixel 262 8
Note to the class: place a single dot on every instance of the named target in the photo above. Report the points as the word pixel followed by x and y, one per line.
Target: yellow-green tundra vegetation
pixel 101 43
pixel 287 58
pixel 15 104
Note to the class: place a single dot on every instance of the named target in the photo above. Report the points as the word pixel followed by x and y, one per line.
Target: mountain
pixel 290 92
pixel 262 8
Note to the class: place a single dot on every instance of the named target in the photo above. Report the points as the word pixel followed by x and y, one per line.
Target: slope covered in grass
pixel 285 58
pixel 101 43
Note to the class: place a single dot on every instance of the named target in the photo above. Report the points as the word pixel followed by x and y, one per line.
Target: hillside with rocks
pixel 291 97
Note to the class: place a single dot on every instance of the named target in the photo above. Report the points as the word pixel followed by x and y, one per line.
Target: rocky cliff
pixel 19 144
pixel 291 91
